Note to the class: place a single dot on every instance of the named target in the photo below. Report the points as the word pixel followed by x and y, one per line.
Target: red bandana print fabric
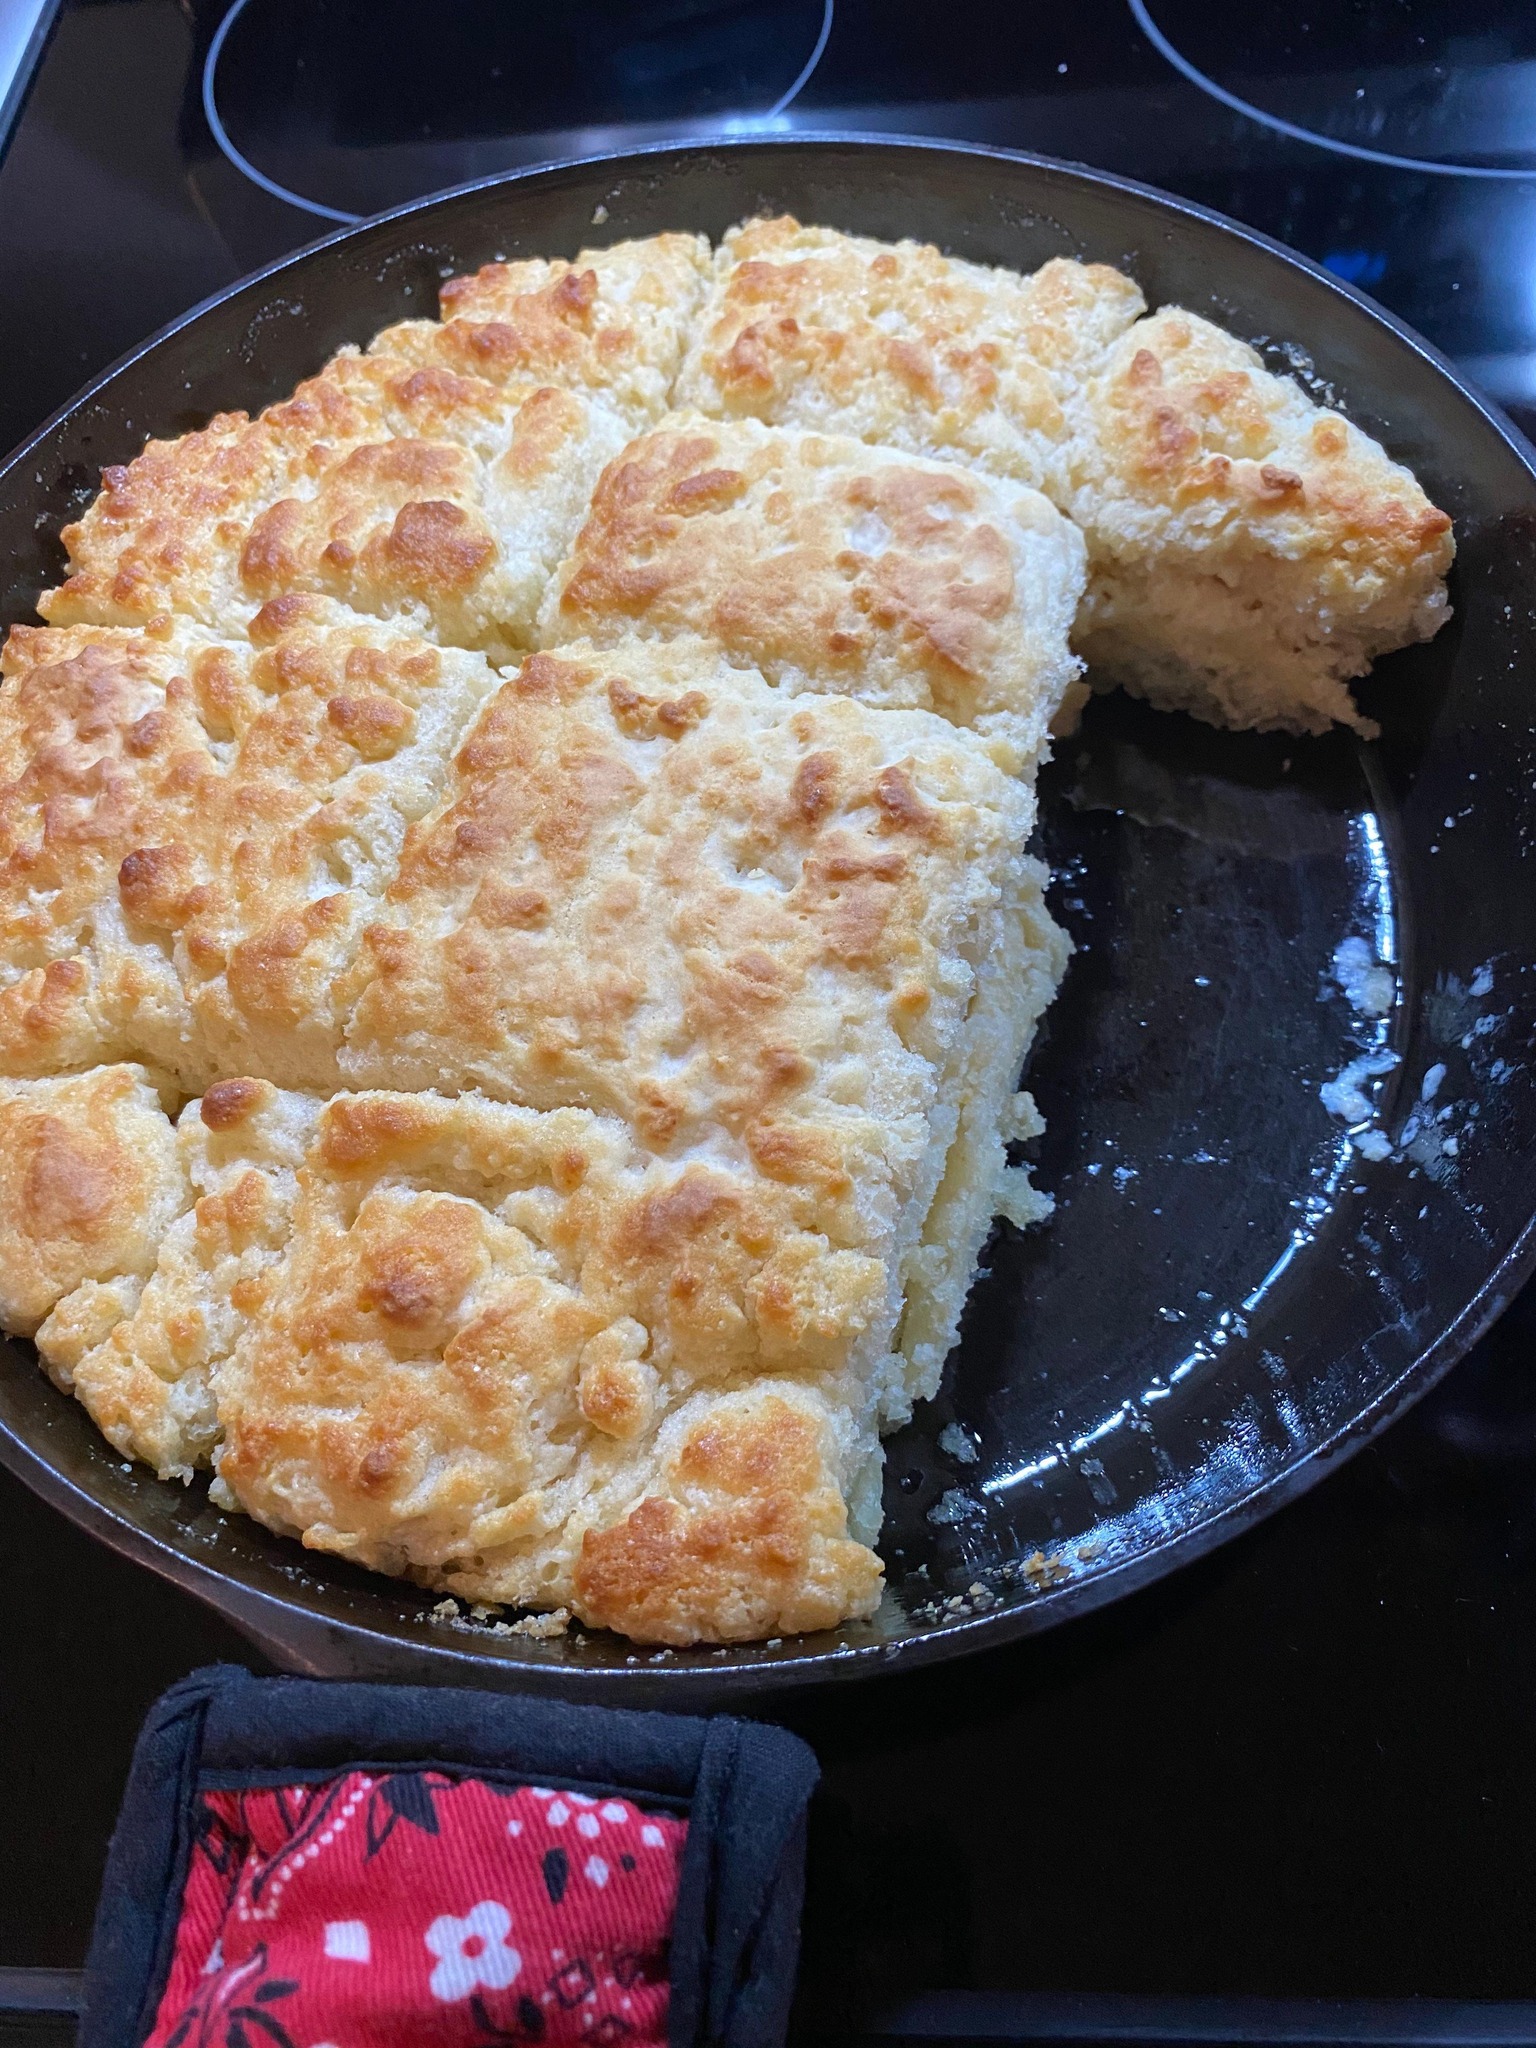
pixel 383 1908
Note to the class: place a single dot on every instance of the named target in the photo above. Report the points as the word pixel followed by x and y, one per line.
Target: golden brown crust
pixel 88 1179
pixel 193 834
pixel 658 888
pixel 102 752
pixel 143 1351
pixel 832 567
pixel 413 1393
pixel 436 476
pixel 1250 551
pixel 228 1104
pixel 418 1230
pixel 757 1546
pixel 894 343
pixel 614 321
pixel 403 492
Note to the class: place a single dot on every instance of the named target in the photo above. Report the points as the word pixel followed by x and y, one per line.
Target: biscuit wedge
pixel 1251 552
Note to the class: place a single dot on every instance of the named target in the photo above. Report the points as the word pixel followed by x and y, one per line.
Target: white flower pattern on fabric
pixel 348 1941
pixel 472 1951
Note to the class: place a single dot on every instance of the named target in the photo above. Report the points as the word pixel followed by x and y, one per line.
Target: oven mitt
pixel 304 1864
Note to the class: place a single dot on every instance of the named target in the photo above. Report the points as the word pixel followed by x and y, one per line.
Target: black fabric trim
pixel 316 1722
pixel 737 1932
pixel 131 1942
pixel 743 1786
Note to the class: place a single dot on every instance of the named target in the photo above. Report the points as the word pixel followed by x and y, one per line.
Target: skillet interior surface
pixel 1232 1293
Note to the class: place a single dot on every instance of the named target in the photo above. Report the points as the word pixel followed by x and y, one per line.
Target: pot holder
pixel 304 1864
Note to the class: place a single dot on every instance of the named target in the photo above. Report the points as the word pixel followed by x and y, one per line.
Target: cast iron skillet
pixel 1232 1296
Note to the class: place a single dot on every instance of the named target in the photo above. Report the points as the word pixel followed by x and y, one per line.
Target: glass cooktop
pixel 174 143
pixel 1391 139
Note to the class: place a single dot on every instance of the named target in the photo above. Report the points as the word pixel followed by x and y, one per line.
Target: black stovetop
pixel 1299 1767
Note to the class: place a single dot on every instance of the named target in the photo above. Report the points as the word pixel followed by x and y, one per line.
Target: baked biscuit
pixel 893 343
pixel 638 1029
pixel 498 1351
pixel 835 567
pixel 513 1354
pixel 102 753
pixel 404 492
pixel 658 888
pixel 193 833
pixel 143 1352
pixel 788 946
pixel 1251 552
pixel 437 476
pixel 786 930
pixel 90 1180
pixel 265 914
pixel 612 324
pixel 495 1350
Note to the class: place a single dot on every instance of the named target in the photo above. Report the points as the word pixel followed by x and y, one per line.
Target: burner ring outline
pixel 221 135
pixel 243 164
pixel 1174 56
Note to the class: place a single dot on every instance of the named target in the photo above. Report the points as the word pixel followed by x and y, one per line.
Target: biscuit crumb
pixel 540 1627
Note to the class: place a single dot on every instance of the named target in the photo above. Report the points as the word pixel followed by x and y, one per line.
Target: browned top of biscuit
pixel 434 1242
pixel 659 888
pixel 898 344
pixel 1188 430
pixel 833 567
pixel 89 1181
pixel 193 832
pixel 403 492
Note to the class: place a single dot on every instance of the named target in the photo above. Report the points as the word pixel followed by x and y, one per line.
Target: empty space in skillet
pixel 1230 1292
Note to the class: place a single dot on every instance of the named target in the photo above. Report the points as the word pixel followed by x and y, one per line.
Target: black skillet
pixel 1233 1294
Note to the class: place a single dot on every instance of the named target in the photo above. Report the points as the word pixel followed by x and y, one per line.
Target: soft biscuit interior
pixel 517 938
